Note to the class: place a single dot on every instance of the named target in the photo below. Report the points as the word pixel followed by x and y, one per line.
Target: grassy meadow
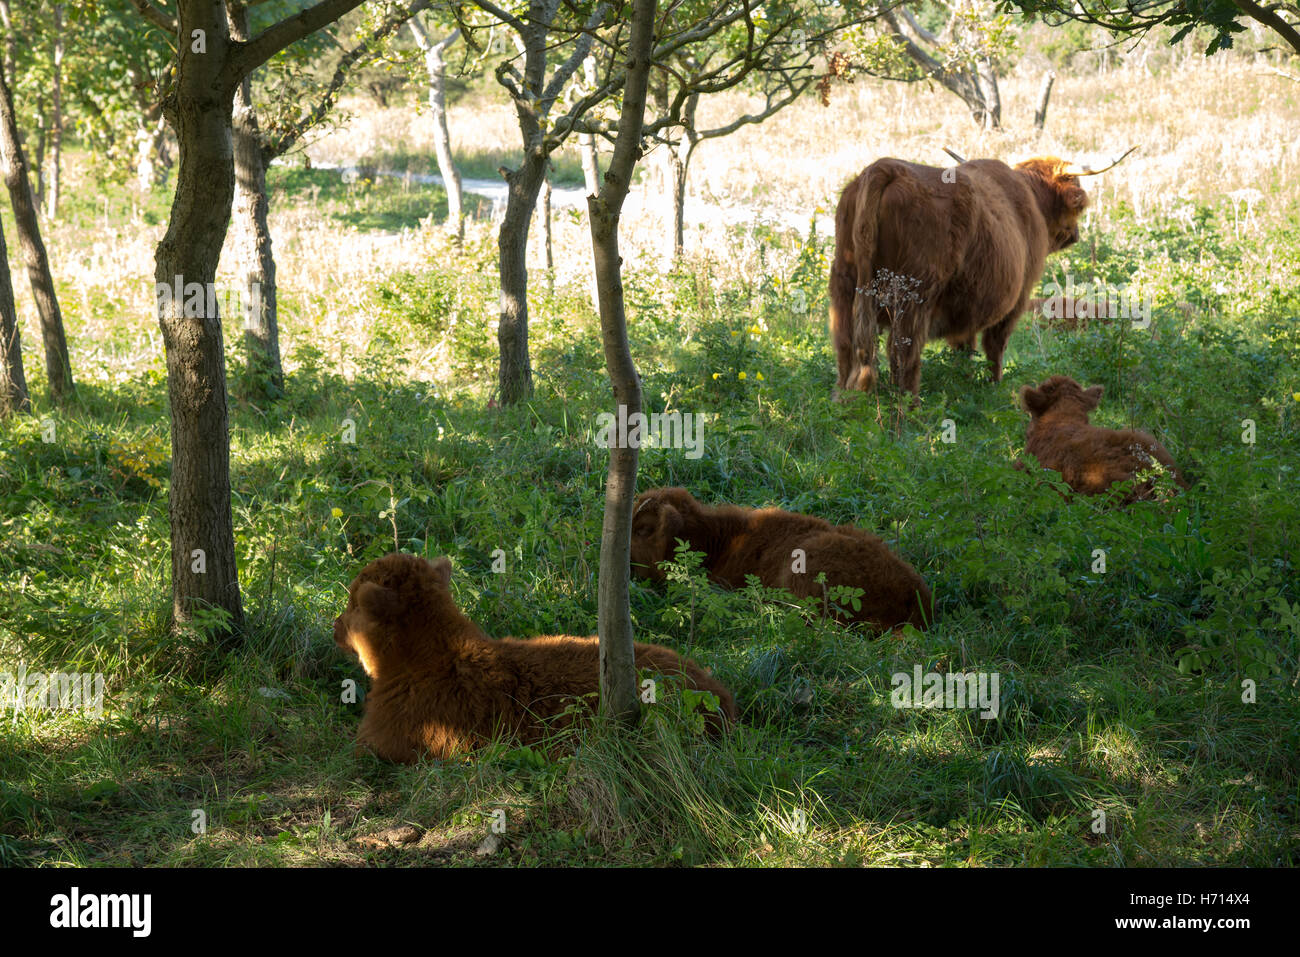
pixel 1122 696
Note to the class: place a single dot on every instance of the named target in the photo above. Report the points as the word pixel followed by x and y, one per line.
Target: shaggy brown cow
pixel 1090 459
pixel 440 686
pixel 947 253
pixel 740 541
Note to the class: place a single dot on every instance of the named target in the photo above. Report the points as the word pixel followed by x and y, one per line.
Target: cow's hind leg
pixel 906 340
pixel 862 372
pixel 842 323
pixel 994 340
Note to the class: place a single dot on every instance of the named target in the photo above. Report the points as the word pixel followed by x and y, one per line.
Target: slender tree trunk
pixel 547 248
pixel 1044 94
pixel 436 69
pixel 618 685
pixel 522 186
pixel 990 98
pixel 253 235
pixel 58 367
pixel 590 166
pixel 13 384
pixel 200 110
pixel 680 162
pixel 56 124
pixel 38 156
pixel 153 159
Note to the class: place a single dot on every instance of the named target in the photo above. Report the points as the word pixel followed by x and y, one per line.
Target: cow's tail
pixel 866 325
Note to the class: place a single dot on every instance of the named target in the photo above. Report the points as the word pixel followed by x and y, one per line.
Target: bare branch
pixel 155 15
pixel 247 57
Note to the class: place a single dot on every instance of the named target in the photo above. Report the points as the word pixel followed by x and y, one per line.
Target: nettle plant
pixel 759 612
pixel 1251 630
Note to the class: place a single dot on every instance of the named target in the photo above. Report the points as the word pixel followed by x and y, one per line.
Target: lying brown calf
pixel 1090 459
pixel 784 549
pixel 439 685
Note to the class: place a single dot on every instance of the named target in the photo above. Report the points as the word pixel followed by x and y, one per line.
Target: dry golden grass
pixel 1210 130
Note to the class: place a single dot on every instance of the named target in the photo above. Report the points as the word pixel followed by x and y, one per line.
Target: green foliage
pixel 1120 689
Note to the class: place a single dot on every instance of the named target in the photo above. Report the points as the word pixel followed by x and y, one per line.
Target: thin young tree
pixel 198 102
pixel 618 685
pixel 434 52
pixel 58 367
pixel 13 383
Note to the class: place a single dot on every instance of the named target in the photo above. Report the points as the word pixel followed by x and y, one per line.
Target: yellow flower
pixel 741 376
pixel 336 512
pixel 754 330
pixel 717 375
pixel 734 333
pixel 759 376
pixel 1296 396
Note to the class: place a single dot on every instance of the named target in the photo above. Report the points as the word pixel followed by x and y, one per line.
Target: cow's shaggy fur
pixel 933 253
pixel 1090 459
pixel 739 541
pixel 440 686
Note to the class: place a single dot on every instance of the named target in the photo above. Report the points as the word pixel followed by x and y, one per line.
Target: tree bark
pixel 990 99
pixel 1044 93
pixel 587 141
pixel 13 384
pixel 618 685
pixel 58 367
pixel 253 235
pixel 515 378
pixel 200 110
pixel 548 250
pixel 56 121
pixel 436 69
pixel 153 158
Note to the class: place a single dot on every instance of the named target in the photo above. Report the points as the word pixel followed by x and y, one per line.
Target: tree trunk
pixel 58 368
pixel 618 684
pixel 522 186
pixel 13 384
pixel 56 123
pixel 680 162
pixel 153 158
pixel 36 144
pixel 253 235
pixel 200 110
pixel 590 166
pixel 990 98
pixel 436 69
pixel 1040 113
pixel 547 249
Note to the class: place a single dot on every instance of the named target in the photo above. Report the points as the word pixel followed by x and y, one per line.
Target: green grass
pixel 1122 690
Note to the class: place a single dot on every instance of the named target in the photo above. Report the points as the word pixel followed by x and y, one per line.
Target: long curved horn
pixel 1089 171
pixel 959 159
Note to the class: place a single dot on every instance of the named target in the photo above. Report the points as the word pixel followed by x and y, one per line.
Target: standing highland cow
pixel 948 253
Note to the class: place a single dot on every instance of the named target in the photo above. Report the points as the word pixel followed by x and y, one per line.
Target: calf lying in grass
pixel 1090 459
pixel 440 686
pixel 784 549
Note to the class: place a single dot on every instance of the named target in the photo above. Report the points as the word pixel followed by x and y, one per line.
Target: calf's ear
pixel 670 525
pixel 441 571
pixel 1093 396
pixel 380 603
pixel 1034 401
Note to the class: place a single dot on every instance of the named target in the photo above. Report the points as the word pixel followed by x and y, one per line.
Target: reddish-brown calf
pixel 783 549
pixel 1090 459
pixel 440 686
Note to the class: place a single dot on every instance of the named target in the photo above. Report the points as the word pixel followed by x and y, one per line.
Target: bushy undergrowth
pixel 1122 636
